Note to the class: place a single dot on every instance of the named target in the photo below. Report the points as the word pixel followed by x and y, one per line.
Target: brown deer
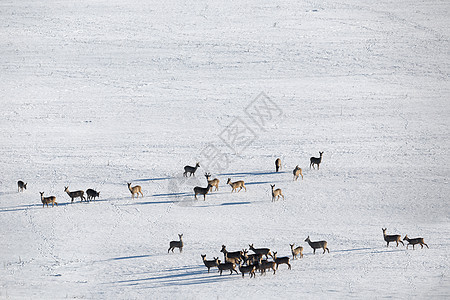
pixel 415 241
pixel 297 171
pixel 238 184
pixel 391 238
pixel 250 269
pixel 21 186
pixel 276 193
pixel 235 254
pixel 317 245
pixel 315 161
pixel 277 164
pixel 135 190
pixel 227 266
pixel 210 263
pixel 214 182
pixel 47 200
pixel 76 194
pixel 296 251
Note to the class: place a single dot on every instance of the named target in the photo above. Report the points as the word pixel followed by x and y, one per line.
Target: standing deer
pixel 214 182
pixel 262 251
pixel 277 164
pixel 227 266
pixel 276 193
pixel 281 260
pixel 202 191
pixel 235 254
pixel 210 263
pixel 47 200
pixel 238 184
pixel 21 186
pixel 315 161
pixel 296 251
pixel 190 170
pixel 391 238
pixel 317 245
pixel 297 171
pixel 76 194
pixel 250 269
pixel 415 241
pixel 135 190
pixel 176 244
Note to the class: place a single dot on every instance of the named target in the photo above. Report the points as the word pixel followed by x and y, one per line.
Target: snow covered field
pixel 95 94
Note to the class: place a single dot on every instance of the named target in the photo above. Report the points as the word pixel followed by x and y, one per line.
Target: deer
pixel 214 182
pixel 76 194
pixel 250 258
pixel 250 269
pixel 391 238
pixel 277 164
pixel 91 194
pixel 276 193
pixel 262 251
pixel 210 263
pixel 190 170
pixel 21 186
pixel 238 184
pixel 135 190
pixel 415 241
pixel 296 251
pixel 264 265
pixel 281 260
pixel 176 244
pixel 315 161
pixel 235 254
pixel 297 171
pixel 317 245
pixel 234 260
pixel 227 266
pixel 47 200
pixel 202 191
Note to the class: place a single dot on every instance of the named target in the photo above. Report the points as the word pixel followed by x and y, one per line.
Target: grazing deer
pixel 135 190
pixel 76 194
pixel 235 254
pixel 296 251
pixel 210 263
pixel 277 164
pixel 276 193
pixel 190 170
pixel 281 260
pixel 21 186
pixel 91 194
pixel 214 182
pixel 262 251
pixel 47 200
pixel 391 238
pixel 227 266
pixel 250 269
pixel 297 171
pixel 317 245
pixel 415 241
pixel 316 161
pixel 176 244
pixel 202 191
pixel 238 184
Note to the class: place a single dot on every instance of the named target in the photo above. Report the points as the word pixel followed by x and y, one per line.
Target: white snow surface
pixel 95 94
